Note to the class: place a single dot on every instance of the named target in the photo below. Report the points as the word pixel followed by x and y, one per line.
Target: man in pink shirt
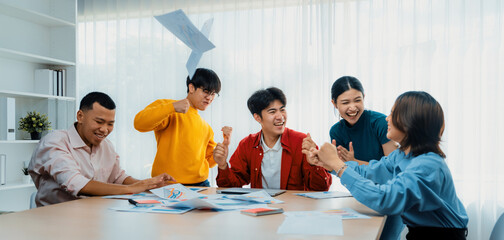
pixel 70 164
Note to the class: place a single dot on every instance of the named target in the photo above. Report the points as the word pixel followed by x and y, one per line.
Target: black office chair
pixel 498 230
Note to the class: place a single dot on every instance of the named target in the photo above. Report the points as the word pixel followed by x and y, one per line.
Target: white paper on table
pixel 143 196
pixel 197 189
pixel 176 192
pixel 322 224
pixel 155 209
pixel 179 24
pixel 345 213
pixel 215 204
pixel 324 195
pixel 258 196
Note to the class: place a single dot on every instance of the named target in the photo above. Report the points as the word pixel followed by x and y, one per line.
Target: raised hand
pixel 222 149
pixel 226 133
pixel 182 106
pixel 328 156
pixel 346 155
pixel 306 146
pixel 313 158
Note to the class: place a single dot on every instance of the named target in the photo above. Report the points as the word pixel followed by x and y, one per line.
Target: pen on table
pixel 132 202
pixel 144 203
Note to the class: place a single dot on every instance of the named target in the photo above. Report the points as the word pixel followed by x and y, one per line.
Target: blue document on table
pixel 176 192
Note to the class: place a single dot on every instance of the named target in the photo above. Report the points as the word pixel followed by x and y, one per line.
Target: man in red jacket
pixel 271 158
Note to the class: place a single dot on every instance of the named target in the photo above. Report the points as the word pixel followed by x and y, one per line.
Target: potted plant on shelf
pixel 35 123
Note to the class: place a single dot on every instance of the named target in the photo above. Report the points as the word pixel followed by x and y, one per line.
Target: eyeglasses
pixel 208 93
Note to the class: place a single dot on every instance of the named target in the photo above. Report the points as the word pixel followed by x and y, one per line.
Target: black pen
pixel 144 202
pixel 132 202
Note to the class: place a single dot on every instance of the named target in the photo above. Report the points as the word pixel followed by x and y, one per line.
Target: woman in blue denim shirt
pixel 414 180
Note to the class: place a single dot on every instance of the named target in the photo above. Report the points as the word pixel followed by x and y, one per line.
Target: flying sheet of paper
pixel 324 195
pixel 179 24
pixel 195 57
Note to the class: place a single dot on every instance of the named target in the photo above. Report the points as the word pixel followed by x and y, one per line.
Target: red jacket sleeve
pixel 315 178
pixel 238 173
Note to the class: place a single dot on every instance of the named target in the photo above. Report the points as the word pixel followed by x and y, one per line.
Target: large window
pixel 451 49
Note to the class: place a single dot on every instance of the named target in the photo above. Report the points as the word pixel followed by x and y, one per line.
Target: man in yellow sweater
pixel 184 140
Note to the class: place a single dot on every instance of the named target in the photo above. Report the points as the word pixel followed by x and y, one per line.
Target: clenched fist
pixel 182 106
pixel 222 149
pixel 226 133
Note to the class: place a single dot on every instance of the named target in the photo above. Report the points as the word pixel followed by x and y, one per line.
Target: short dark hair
pixel 344 84
pixel 420 117
pixel 99 97
pixel 261 99
pixel 206 79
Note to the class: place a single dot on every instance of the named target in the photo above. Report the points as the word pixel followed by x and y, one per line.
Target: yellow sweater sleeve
pixel 154 116
pixel 210 149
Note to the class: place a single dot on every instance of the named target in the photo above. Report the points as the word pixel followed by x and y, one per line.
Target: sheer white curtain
pixel 451 49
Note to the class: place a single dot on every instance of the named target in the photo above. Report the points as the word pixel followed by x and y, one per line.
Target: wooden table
pixel 91 218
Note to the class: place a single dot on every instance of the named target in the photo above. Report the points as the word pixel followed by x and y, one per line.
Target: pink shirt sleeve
pixel 118 175
pixel 55 158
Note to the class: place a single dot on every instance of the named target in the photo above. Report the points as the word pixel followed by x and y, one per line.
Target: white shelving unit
pixel 36 34
pixel 19 141
pixel 27 57
pixel 16 185
pixel 32 16
pixel 14 94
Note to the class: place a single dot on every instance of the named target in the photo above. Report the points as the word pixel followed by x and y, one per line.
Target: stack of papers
pixel 177 199
pixel 258 197
pixel 153 209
